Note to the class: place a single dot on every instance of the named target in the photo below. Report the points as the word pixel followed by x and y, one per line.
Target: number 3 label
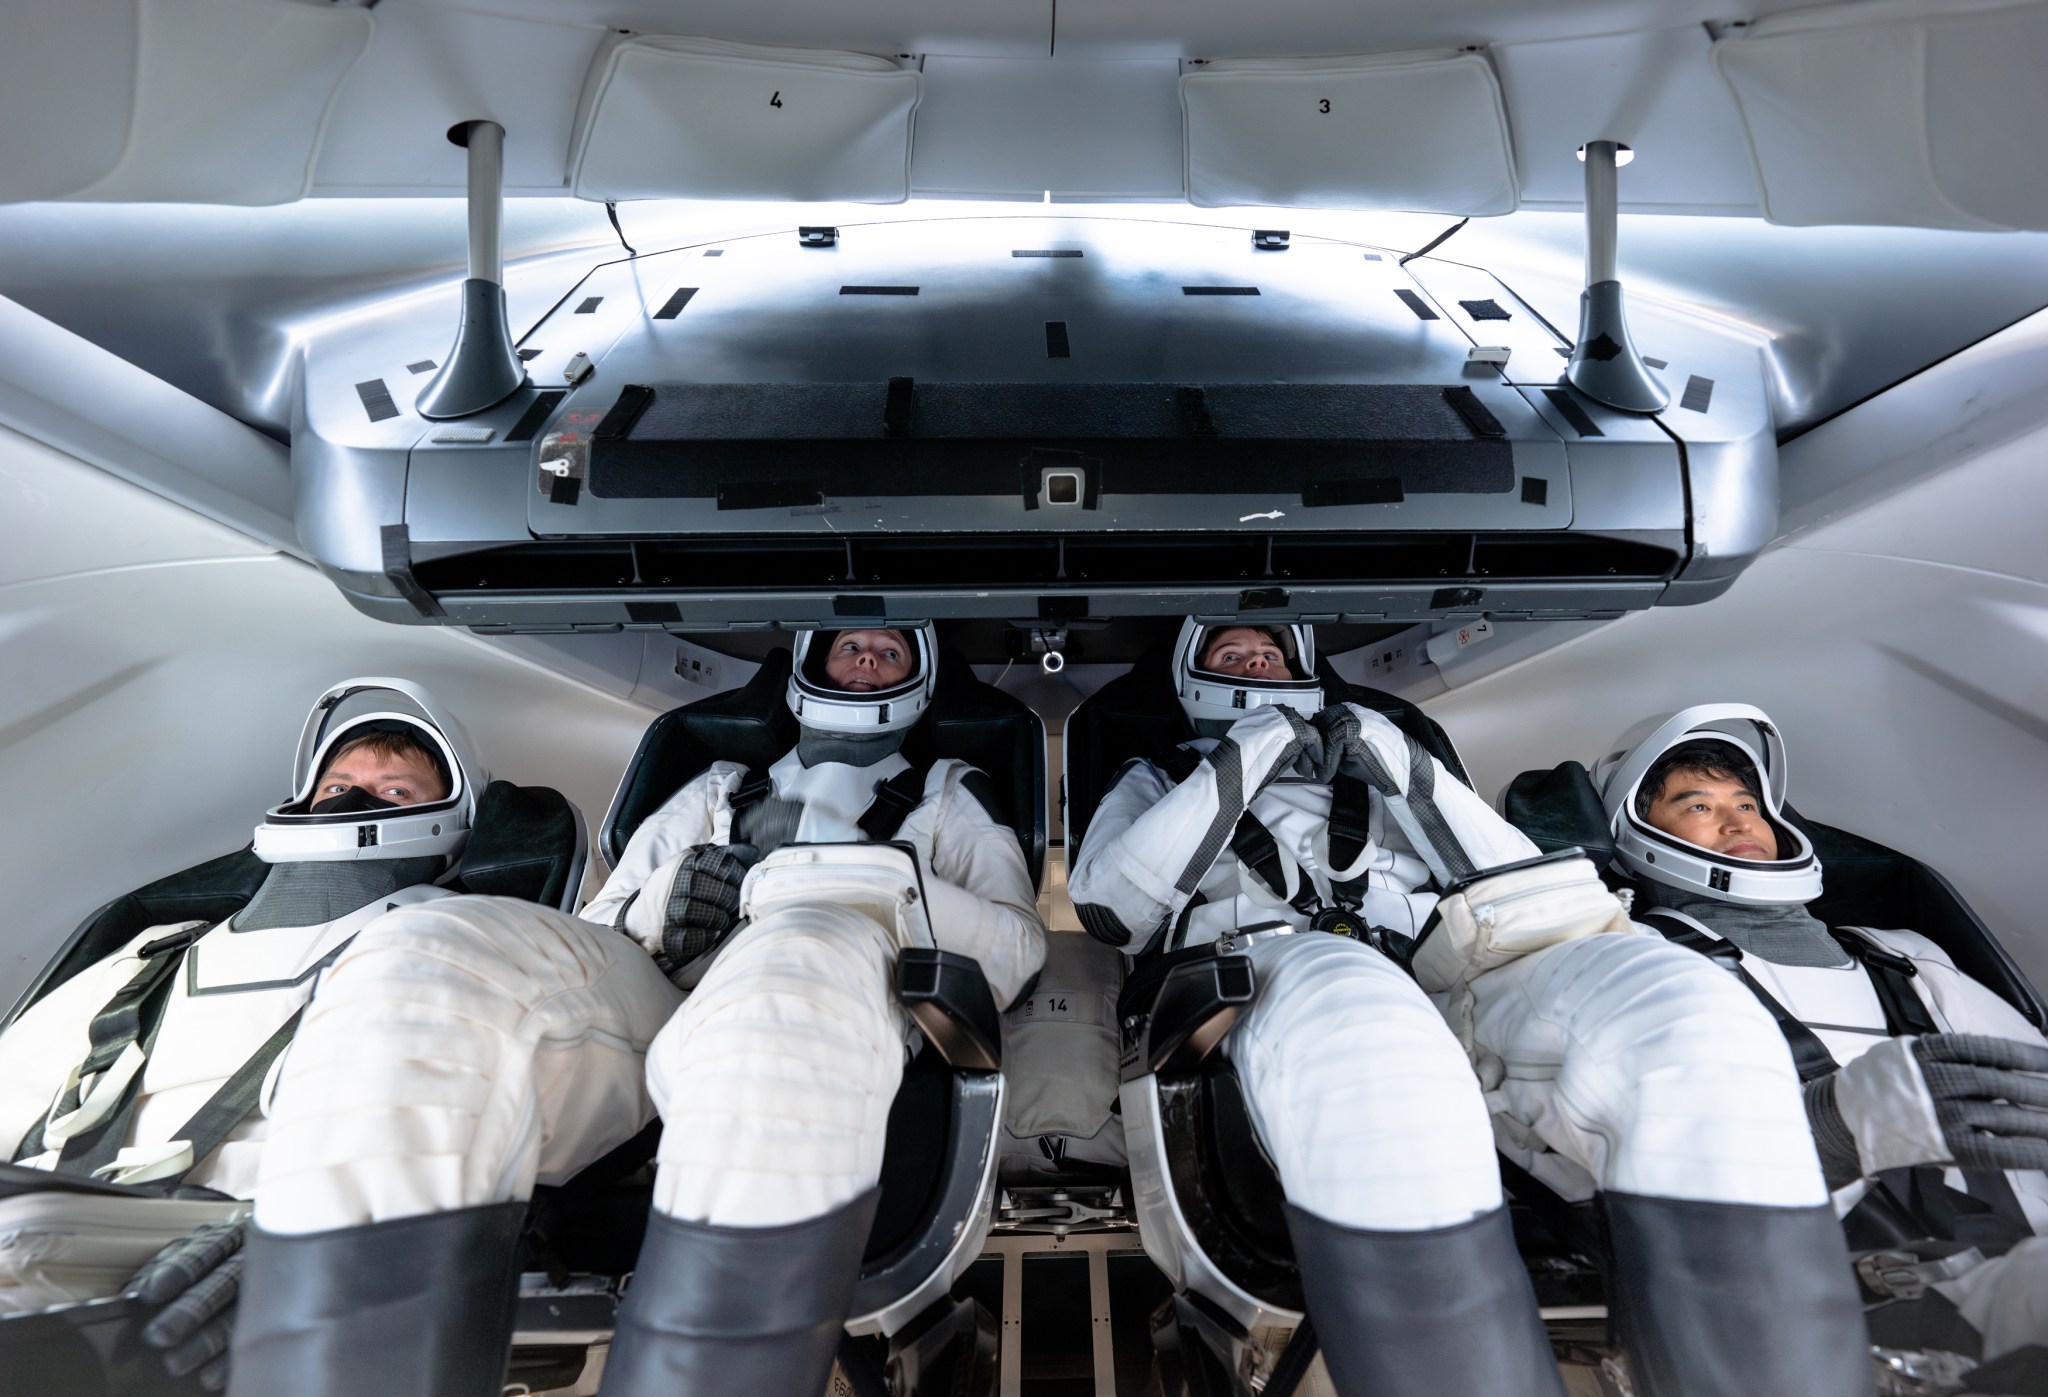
pixel 1324 106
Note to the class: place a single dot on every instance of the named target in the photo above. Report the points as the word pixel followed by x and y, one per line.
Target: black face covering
pixel 353 801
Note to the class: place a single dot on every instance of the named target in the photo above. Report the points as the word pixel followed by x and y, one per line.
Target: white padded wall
pixel 1903 647
pixel 155 668
pixel 187 101
pixel 1923 113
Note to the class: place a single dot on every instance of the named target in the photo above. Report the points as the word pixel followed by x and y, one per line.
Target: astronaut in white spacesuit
pixel 153 1066
pixel 1924 1088
pixel 1609 1064
pixel 775 1080
pixel 461 1052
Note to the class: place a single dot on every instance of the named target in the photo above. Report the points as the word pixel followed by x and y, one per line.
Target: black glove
pixel 1341 737
pixel 1991 1097
pixel 703 903
pixel 193 1282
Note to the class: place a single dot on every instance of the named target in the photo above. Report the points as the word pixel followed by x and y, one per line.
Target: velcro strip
pixel 1418 305
pixel 1568 408
pixel 376 399
pixel 1698 393
pixel 673 306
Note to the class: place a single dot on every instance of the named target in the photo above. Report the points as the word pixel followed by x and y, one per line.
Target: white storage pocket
pixel 1508 915
pixel 1925 114
pixel 222 101
pixel 672 118
pixel 1424 132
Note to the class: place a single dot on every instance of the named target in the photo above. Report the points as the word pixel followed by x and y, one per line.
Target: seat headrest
pixel 1559 809
pixel 528 842
pixel 1139 712
pixel 752 725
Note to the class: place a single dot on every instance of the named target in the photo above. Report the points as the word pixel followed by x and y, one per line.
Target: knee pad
pixel 446 1047
pixel 775 1079
pixel 1655 1069
pixel 1359 1091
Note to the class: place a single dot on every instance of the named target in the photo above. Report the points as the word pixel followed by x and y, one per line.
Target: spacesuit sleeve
pixel 700 813
pixel 982 902
pixel 1960 1004
pixel 38 1051
pixel 1453 831
pixel 1125 908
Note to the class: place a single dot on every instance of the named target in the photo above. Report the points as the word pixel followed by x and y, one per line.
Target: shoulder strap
pixel 1809 1054
pixel 751 791
pixel 130 1020
pixel 1892 975
pixel 1350 819
pixel 894 799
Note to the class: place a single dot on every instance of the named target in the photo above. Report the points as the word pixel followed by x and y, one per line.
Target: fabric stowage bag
pixel 1500 918
pixel 1914 113
pixel 675 118
pixel 1060 1063
pixel 1425 132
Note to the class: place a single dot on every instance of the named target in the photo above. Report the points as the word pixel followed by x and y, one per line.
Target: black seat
pixel 527 842
pixel 1865 884
pixel 752 725
pixel 940 1139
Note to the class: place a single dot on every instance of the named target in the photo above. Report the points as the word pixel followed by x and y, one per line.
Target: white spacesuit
pixel 1607 1062
pixel 157 1064
pixel 1924 1087
pixel 775 1079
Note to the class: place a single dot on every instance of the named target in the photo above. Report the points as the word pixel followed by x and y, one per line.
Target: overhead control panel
pixel 1033 418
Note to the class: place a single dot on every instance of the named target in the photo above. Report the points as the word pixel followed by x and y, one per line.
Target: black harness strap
pixel 751 791
pixel 1350 819
pixel 1892 975
pixel 235 1098
pixel 894 799
pixel 1256 848
pixel 131 1017
pixel 1809 1054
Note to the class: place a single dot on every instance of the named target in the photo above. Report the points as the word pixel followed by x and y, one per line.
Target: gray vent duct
pixel 1604 364
pixel 483 368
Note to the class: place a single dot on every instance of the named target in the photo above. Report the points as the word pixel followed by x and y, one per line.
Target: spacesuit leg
pixel 1366 1104
pixel 774 1084
pixel 457 1053
pixel 1662 1077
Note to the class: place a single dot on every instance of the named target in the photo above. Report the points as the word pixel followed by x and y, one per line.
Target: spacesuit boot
pixel 1730 1300
pixel 738 1309
pixel 416 1307
pixel 1440 1311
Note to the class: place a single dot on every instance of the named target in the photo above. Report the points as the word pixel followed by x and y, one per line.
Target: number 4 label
pixel 776 100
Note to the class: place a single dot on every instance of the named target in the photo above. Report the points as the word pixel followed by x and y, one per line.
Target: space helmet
pixel 1753 745
pixel 346 828
pixel 822 706
pixel 1210 697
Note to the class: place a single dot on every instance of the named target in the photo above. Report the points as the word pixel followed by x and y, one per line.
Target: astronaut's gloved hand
pixel 691 905
pixel 1275 741
pixel 193 1283
pixel 1943 1098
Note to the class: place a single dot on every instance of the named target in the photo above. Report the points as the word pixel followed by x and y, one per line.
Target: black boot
pixel 738 1309
pixel 1448 1312
pixel 418 1307
pixel 1735 1300
pixel 414 1307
